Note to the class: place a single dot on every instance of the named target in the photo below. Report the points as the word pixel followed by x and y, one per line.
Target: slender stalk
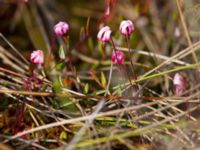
pixel 179 2
pixel 192 66
pixel 114 48
pixel 74 120
pixel 169 71
pixel 136 88
pixel 109 79
pixel 50 52
pixel 130 55
pixel 136 132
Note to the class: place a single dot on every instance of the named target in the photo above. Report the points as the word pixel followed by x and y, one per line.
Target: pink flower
pixel 104 34
pixel 37 57
pixel 126 27
pixel 179 83
pixel 61 28
pixel 117 57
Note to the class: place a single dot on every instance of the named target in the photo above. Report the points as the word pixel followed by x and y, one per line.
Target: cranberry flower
pixel 37 57
pixel 117 57
pixel 104 34
pixel 126 27
pixel 179 83
pixel 61 28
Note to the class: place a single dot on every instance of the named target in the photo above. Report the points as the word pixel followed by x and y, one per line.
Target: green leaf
pixel 103 80
pixel 63 135
pixel 86 88
pixel 57 85
pixel 60 66
pixel 61 52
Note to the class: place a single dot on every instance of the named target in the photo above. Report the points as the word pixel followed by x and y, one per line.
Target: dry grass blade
pixel 179 4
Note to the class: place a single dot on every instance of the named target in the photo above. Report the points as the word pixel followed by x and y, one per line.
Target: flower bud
pixel 126 27
pixel 179 83
pixel 61 28
pixel 104 34
pixel 37 57
pixel 117 57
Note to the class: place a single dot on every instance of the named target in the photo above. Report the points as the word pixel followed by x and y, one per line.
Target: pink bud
pixel 37 57
pixel 117 57
pixel 104 34
pixel 179 83
pixel 126 27
pixel 61 28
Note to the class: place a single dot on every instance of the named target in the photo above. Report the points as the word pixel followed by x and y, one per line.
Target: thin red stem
pixel 112 43
pixel 130 57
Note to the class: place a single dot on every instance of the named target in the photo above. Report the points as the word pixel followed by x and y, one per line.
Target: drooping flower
pixel 179 83
pixel 104 34
pixel 126 27
pixel 117 57
pixel 61 28
pixel 37 57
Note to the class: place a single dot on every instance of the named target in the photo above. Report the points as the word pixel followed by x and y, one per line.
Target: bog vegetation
pixel 99 74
